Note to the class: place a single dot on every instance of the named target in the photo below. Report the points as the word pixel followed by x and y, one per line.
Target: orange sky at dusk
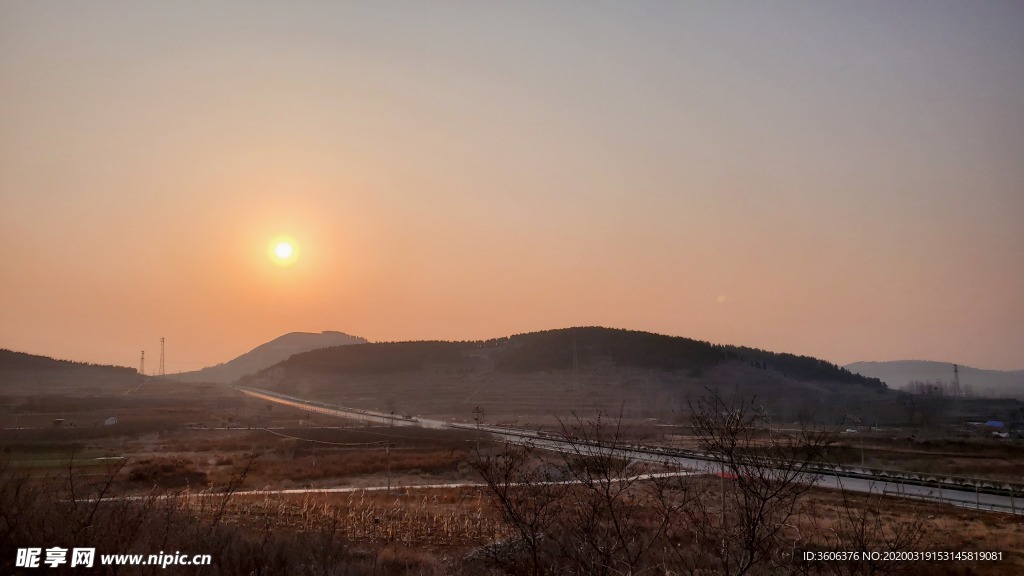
pixel 837 180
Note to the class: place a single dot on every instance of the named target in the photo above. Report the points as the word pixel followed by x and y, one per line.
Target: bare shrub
pixel 167 473
pixel 616 510
pixel 530 497
pixel 598 509
pixel 594 509
pixel 762 476
pixel 864 522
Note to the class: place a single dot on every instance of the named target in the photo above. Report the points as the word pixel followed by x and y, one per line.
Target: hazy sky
pixel 837 179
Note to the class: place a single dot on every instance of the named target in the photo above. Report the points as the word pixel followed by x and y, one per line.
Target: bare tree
pixel 597 508
pixel 529 496
pixel 618 511
pixel 861 524
pixel 762 475
pixel 592 509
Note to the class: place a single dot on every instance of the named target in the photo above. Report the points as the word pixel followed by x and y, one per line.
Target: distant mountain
pixel 985 382
pixel 22 374
pixel 266 355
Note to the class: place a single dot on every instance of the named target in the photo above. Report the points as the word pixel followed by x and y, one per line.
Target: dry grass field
pixel 194 445
pixel 942 527
pixel 178 444
pixel 990 459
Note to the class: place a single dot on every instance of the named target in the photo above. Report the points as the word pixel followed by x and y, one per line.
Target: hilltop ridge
pixel 564 348
pixel 22 373
pixel 569 370
pixel 268 354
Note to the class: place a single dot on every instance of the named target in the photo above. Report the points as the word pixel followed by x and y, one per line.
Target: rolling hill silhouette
pixel 899 373
pixel 26 374
pixel 562 349
pixel 569 370
pixel 266 355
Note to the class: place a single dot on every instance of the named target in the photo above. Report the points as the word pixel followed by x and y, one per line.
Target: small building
pixel 110 421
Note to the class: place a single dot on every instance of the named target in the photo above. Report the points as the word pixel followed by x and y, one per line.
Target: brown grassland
pixel 205 466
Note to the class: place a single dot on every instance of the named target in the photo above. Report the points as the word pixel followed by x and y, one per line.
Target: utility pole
pixel 721 484
pixel 575 365
pixel 142 363
pixel 387 451
pixel 862 452
pixel 161 373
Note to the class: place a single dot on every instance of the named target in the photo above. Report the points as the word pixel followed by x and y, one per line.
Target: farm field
pixel 269 472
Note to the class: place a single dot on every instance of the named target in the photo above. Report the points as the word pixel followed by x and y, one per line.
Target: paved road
pixel 341 411
pixel 857 481
pixel 838 480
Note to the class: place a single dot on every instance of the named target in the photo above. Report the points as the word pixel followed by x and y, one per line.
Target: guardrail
pixel 959 483
pixel 979 486
pixel 976 503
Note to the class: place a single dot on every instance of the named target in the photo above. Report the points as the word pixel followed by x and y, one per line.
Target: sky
pixel 836 179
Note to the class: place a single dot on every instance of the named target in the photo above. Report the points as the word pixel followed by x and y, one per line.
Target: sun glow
pixel 283 251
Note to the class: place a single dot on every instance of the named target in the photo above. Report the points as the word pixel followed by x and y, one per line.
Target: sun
pixel 283 251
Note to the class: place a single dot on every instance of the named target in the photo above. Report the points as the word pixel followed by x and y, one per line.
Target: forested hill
pixel 562 350
pixel 11 361
pixel 22 373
